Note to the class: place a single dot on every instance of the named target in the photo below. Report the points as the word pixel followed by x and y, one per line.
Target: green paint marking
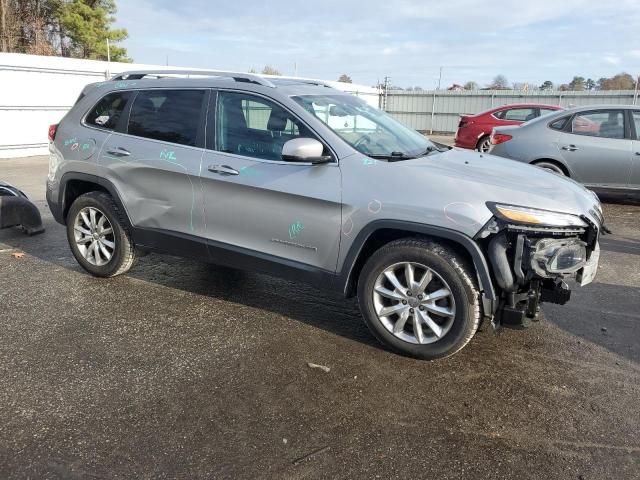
pixel 369 161
pixel 295 228
pixel 250 171
pixel 168 155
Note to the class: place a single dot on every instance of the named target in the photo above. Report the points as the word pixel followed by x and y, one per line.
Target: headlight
pixel 533 216
pixel 558 256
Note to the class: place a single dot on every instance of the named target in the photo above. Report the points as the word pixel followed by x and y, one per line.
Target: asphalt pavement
pixel 186 370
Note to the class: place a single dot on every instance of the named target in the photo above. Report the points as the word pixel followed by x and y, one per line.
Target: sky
pixel 528 41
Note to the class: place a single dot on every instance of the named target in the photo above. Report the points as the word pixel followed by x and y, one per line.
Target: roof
pixel 215 78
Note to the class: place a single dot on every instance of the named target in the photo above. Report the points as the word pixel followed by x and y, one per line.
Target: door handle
pixel 570 148
pixel 119 152
pixel 223 170
pixel 638 153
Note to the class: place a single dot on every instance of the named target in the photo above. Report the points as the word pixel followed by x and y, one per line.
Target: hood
pixel 462 182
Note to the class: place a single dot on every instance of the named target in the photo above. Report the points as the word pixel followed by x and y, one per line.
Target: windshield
pixel 367 129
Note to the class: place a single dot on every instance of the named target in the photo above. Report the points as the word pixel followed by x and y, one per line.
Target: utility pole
pixel 440 78
pixel 386 89
pixel 295 69
pixel 635 94
pixel 108 60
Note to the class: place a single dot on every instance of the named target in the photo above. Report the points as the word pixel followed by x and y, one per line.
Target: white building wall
pixel 37 91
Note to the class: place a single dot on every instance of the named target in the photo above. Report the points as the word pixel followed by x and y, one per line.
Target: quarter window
pixel 255 127
pixel 546 111
pixel 605 124
pixel 167 115
pixel 108 110
pixel 559 124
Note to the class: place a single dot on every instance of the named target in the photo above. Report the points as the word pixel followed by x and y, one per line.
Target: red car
pixel 474 131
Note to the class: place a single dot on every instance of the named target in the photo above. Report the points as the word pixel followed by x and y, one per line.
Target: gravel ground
pixel 184 370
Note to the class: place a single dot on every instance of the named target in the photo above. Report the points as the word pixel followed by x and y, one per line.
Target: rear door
pixel 596 145
pixel 154 160
pixel 635 151
pixel 259 204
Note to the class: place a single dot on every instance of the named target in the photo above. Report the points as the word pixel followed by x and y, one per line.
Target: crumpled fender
pixel 17 210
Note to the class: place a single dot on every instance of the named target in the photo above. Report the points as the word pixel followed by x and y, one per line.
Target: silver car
pixel 598 146
pixel 296 179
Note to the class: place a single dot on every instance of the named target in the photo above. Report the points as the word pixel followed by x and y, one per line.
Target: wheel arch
pixel 555 161
pixel 74 184
pixel 481 138
pixel 379 233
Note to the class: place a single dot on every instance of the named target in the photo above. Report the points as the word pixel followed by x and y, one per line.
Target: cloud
pixel 406 39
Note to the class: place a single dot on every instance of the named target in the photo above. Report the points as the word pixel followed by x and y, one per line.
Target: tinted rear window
pixel 167 115
pixel 108 110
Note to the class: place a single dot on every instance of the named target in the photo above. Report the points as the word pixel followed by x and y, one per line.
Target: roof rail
pixel 308 81
pixel 238 77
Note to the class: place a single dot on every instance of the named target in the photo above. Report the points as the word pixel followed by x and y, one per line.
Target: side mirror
pixel 304 150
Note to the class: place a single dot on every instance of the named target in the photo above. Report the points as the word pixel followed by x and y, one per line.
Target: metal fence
pixel 439 110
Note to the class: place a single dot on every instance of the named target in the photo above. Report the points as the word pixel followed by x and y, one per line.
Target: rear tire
pixel 551 166
pixel 484 144
pixel 446 322
pixel 98 235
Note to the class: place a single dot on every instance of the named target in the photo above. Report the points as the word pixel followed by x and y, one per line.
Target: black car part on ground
pixel 17 210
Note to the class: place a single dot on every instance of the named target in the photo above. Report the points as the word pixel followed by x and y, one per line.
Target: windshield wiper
pixel 393 157
pixel 397 156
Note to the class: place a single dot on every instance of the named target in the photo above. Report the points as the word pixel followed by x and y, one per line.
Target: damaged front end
pixel 532 252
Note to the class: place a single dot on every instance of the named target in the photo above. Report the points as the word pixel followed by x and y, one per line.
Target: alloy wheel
pixel 485 146
pixel 414 303
pixel 94 236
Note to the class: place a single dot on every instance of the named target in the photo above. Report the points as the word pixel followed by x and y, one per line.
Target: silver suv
pixel 299 180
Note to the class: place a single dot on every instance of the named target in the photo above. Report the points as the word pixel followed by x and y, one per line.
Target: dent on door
pixel 158 182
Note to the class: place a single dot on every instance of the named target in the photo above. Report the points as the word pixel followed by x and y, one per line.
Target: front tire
pixel 98 235
pixel 419 298
pixel 552 167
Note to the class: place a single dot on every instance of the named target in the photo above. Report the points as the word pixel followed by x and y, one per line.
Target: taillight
pixel 464 121
pixel 498 138
pixel 52 132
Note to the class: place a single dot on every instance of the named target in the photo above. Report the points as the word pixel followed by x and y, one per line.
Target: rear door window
pixel 519 114
pixel 167 115
pixel 108 110
pixel 600 123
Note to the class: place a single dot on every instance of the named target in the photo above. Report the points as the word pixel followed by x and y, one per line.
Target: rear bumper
pixel 467 137
pixel 54 205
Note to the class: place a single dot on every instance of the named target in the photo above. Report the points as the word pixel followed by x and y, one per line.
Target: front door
pixel 154 162
pixel 597 148
pixel 259 204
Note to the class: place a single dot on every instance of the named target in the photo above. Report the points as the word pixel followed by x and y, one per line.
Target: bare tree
pixel 344 78
pixel 471 85
pixel 500 82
